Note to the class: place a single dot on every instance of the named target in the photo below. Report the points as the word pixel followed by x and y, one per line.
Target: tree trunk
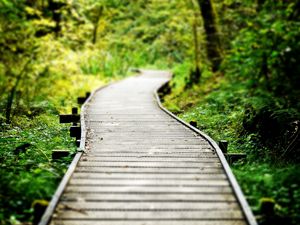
pixel 12 93
pixel 195 75
pixel 196 45
pixel 195 72
pixel 260 3
pixel 94 41
pixel 213 43
pixel 10 99
pixel 96 22
pixel 55 7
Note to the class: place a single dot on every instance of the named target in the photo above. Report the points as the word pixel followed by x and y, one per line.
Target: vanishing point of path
pixel 143 167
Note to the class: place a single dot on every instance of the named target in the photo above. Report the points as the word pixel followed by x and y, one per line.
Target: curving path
pixel 143 167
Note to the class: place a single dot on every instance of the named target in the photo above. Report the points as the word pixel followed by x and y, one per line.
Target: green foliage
pixel 152 30
pixel 30 174
pixel 266 50
pixel 258 94
pixel 264 57
pixel 281 185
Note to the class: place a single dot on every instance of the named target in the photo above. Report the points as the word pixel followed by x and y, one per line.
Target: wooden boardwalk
pixel 143 167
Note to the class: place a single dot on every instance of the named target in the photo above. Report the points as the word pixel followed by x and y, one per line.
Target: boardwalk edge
pixel 45 220
pixel 236 188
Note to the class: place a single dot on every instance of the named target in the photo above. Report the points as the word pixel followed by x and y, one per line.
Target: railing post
pixel 223 144
pixel 74 112
pixel 194 124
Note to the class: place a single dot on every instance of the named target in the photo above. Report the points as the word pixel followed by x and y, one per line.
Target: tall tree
pixel 213 43
pixel 55 7
pixel 94 14
pixel 195 74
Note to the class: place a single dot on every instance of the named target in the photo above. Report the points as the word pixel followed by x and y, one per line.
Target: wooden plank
pixel 134 176
pixel 158 197
pixel 147 143
pixel 154 189
pixel 148 149
pixel 70 118
pixel 133 133
pixel 135 158
pixel 144 164
pixel 174 130
pixel 135 136
pixel 151 215
pixel 153 222
pixel 141 182
pixel 149 140
pixel 151 206
pixel 152 154
pixel 133 122
pixel 172 170
pixel 130 127
pixel 141 145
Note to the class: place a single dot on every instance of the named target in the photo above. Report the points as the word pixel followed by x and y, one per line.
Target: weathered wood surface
pixel 142 167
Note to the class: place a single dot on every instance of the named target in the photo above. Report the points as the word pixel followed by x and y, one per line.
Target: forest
pixel 236 74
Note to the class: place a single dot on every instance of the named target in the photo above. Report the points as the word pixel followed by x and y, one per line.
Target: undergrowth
pixel 28 174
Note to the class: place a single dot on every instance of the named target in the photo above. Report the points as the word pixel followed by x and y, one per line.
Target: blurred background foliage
pixel 236 73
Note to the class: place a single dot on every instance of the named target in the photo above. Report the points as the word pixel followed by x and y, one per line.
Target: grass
pixel 264 182
pixel 30 175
